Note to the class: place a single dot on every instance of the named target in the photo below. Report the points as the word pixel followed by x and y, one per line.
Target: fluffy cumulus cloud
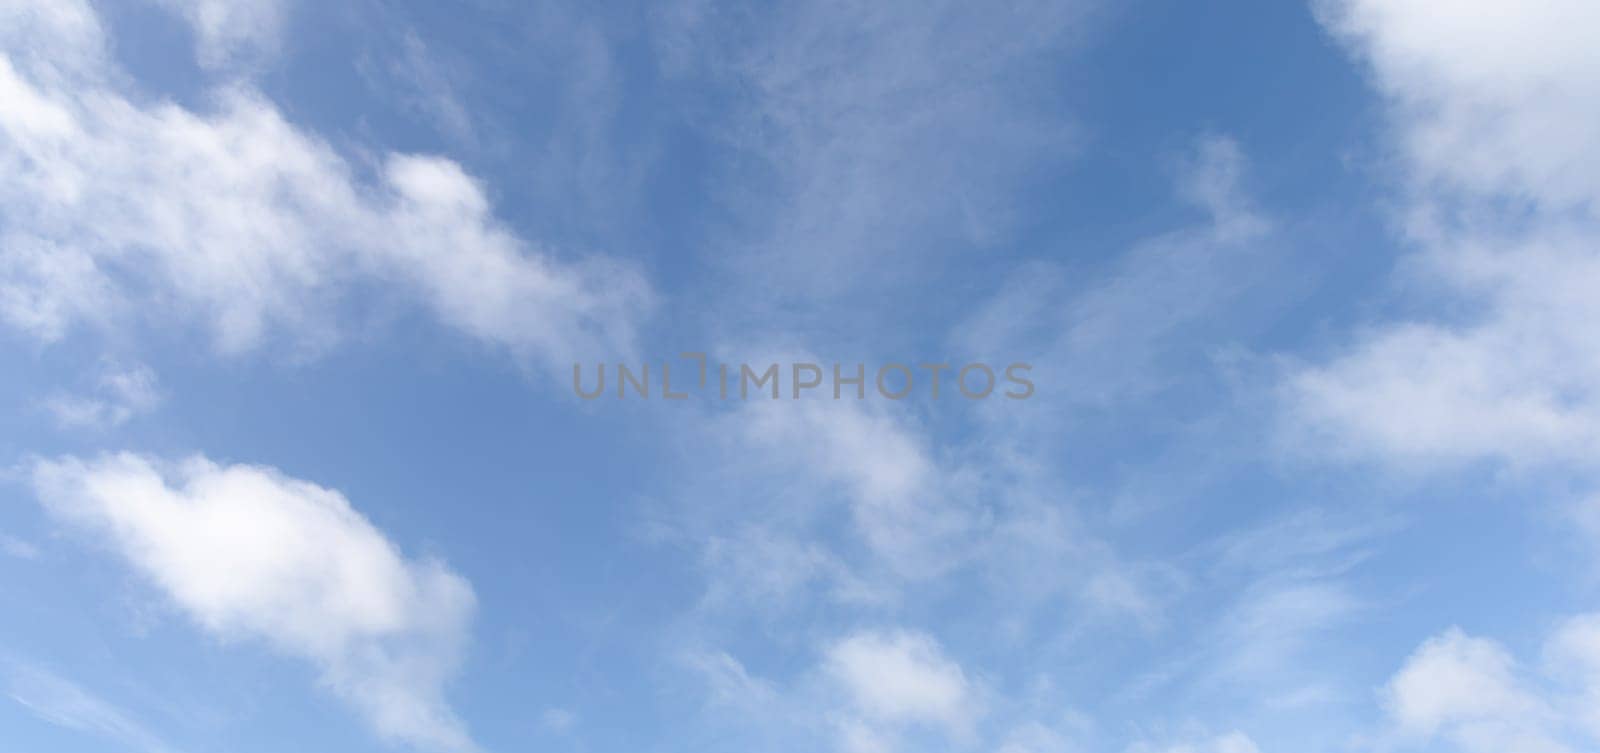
pixel 1489 97
pixel 1472 694
pixel 901 677
pixel 1490 104
pixel 1454 678
pixel 249 553
pixel 118 207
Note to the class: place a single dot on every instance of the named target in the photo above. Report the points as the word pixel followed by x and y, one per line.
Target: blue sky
pixel 290 295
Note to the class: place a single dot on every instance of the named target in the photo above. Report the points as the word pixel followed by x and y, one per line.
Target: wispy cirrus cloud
pixel 231 32
pixel 869 140
pixel 64 703
pixel 822 514
pixel 119 393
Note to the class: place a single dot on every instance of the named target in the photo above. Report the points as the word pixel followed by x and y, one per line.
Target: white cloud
pixel 1490 98
pixel 902 677
pixel 1516 384
pixel 247 552
pixel 1452 678
pixel 1470 692
pixel 53 40
pixel 1491 104
pixel 120 393
pixel 118 208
